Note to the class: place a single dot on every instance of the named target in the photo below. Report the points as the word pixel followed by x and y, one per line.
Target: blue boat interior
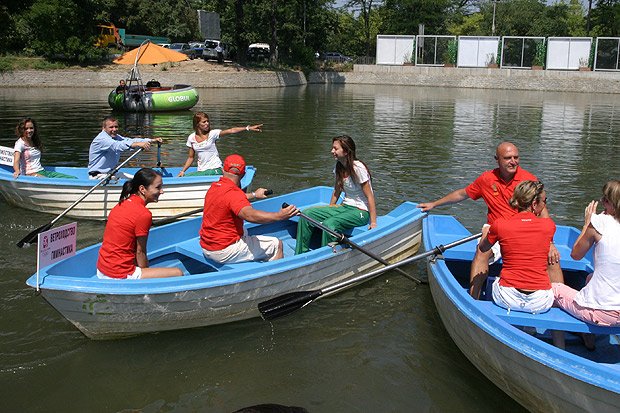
pixel 178 244
pixel 457 260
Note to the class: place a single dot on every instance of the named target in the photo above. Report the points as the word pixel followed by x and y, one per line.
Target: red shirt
pixel 496 192
pixel 524 240
pixel 221 225
pixel 127 221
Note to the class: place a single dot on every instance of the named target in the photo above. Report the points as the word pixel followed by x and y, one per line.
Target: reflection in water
pixel 378 347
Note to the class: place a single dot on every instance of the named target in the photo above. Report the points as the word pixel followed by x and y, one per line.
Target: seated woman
pixel 599 301
pixel 523 284
pixel 202 143
pixel 27 152
pixel 358 206
pixel 123 252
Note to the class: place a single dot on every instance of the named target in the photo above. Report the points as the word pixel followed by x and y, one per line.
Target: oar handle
pixel 159 154
pixel 317 224
pixel 435 251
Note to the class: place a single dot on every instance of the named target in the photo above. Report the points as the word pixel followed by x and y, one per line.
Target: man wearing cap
pixel 496 187
pixel 226 207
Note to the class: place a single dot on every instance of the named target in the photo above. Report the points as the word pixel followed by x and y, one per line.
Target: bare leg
pixel 161 272
pixel 479 268
pixel 555 273
pixel 280 253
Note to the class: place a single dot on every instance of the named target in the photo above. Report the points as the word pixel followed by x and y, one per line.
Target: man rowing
pixel 222 236
pixel 105 150
pixel 496 187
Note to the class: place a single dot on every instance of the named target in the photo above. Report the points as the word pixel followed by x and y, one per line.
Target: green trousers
pixel 338 218
pixel 206 172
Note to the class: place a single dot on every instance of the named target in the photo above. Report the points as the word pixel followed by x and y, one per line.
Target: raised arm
pixel 588 235
pixel 237 129
pixel 452 198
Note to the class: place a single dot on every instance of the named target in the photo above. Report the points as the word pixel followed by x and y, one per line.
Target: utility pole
pixel 493 26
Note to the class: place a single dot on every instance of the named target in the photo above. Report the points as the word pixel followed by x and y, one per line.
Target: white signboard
pixel 568 52
pixel 477 51
pixel 6 156
pixel 57 244
pixel 394 50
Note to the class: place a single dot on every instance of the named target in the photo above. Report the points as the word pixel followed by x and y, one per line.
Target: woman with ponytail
pixel 123 252
pixel 358 207
pixel 523 284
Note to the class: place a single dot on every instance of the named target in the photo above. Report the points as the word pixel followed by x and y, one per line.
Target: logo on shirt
pixel 494 188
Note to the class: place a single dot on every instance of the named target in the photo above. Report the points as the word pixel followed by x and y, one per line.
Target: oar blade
pixel 33 236
pixel 287 303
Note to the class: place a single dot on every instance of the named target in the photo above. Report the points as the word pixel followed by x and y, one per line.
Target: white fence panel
pixel 568 53
pixel 394 50
pixel 476 51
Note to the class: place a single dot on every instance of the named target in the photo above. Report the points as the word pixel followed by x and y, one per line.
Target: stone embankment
pixel 211 75
pixel 477 78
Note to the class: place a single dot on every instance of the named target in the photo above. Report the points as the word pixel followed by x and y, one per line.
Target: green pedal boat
pixel 153 99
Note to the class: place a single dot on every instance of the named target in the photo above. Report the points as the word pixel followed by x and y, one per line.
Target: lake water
pixel 378 347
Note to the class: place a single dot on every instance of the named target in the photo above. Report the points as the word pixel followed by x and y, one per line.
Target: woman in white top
pixel 357 208
pixel 599 301
pixel 27 152
pixel 202 143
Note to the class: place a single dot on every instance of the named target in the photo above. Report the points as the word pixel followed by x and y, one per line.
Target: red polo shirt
pixel 496 192
pixel 524 239
pixel 221 225
pixel 127 221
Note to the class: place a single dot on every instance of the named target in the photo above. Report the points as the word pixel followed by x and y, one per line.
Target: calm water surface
pixel 378 347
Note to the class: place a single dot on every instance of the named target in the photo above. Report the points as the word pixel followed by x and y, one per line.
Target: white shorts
pixel 137 274
pixel 495 249
pixel 248 248
pixel 513 299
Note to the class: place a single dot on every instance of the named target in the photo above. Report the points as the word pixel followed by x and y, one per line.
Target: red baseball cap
pixel 234 164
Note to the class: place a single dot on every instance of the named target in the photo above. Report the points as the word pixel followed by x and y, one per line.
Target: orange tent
pixel 150 53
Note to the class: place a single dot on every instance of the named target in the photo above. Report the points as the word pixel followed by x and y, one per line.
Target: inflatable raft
pixel 153 99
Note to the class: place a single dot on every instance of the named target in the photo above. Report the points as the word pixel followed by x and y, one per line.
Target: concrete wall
pixel 477 78
pixel 207 79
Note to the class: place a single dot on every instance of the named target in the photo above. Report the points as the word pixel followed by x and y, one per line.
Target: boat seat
pixel 554 319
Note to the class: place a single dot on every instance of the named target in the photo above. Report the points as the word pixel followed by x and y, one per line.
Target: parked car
pixel 258 52
pixel 166 45
pixel 335 57
pixel 185 49
pixel 215 50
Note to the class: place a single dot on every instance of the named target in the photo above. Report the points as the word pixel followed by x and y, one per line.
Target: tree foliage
pixel 295 29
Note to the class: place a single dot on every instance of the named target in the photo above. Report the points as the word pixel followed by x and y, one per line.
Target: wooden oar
pixel 287 303
pixel 343 239
pixel 32 237
pixel 167 220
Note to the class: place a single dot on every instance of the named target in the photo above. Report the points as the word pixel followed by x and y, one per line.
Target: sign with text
pixel 57 244
pixel 6 156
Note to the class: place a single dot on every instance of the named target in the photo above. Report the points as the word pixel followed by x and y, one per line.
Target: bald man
pixel 496 187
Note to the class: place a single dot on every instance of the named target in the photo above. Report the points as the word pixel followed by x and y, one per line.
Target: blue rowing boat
pixel 212 293
pixel 514 349
pixel 54 195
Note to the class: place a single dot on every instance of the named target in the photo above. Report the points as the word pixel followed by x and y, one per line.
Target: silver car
pixel 215 50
